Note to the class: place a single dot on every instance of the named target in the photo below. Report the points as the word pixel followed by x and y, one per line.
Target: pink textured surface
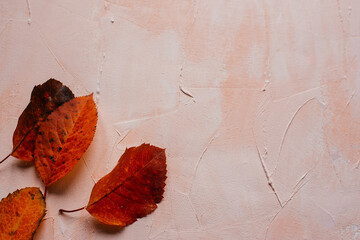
pixel 256 103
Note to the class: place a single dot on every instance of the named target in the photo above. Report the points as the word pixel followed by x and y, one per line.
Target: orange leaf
pixel 64 137
pixel 21 213
pixel 45 98
pixel 132 189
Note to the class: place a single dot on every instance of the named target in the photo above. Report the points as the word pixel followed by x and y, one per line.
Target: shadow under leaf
pixel 106 229
pixel 23 164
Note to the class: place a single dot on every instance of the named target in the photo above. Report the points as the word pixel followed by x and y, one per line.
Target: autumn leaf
pixel 45 98
pixel 21 213
pixel 64 137
pixel 132 189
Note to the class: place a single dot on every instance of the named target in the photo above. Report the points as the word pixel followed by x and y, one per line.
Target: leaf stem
pixel 5 158
pixel 70 211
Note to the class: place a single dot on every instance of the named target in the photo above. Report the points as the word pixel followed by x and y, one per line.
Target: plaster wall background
pixel 256 102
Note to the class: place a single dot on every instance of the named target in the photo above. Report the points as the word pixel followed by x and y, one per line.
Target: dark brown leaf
pixel 45 98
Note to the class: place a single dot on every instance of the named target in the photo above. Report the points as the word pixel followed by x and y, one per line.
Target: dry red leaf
pixel 45 98
pixel 132 189
pixel 21 213
pixel 64 137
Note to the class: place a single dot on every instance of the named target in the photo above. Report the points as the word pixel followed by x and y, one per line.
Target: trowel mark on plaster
pixel 98 79
pixel 92 177
pixel 182 89
pixel 212 138
pixel 296 191
pixel 183 48
pixel 333 165
pixel 137 121
pixel 266 171
pixel 349 101
pixel 195 212
pixel 58 60
pixel 267 75
pixel 288 126
pixel 46 228
pixel 262 162
pixel 324 210
pixel 282 208
pixel 160 225
pixel 28 11
pixel 172 214
pixel 349 10
pixel 186 195
pixel 267 68
pixel 186 92
pixel 124 128
pixel 118 140
pixel 62 226
pixel 301 179
pixel 5 27
pixel 303 93
pixel 201 157
pixel 344 60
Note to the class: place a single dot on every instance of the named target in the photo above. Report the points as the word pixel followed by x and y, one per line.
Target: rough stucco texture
pixel 256 103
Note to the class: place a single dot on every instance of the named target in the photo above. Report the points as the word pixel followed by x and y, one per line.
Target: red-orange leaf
pixel 21 213
pixel 64 137
pixel 45 98
pixel 132 189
